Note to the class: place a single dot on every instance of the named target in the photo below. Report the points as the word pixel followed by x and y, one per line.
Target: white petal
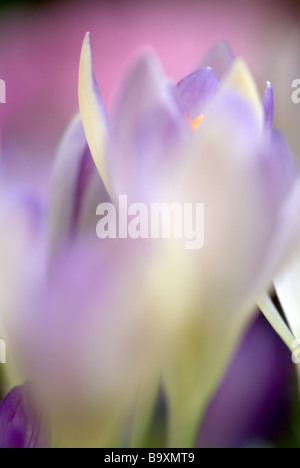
pixel 91 110
pixel 288 291
pixel 240 79
pixel 272 315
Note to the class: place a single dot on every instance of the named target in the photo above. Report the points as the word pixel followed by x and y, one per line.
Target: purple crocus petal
pixel 268 105
pixel 27 200
pixel 286 163
pixel 94 193
pixel 88 313
pixel 281 192
pixel 255 411
pixel 220 58
pixel 72 172
pixel 195 90
pixel 21 422
pixel 279 170
pixel 285 230
pixel 147 132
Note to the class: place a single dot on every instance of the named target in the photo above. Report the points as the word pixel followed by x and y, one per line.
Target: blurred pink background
pixel 40 48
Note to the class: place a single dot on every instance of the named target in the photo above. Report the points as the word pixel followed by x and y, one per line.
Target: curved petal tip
pixel 92 110
pixel 268 106
pixel 239 79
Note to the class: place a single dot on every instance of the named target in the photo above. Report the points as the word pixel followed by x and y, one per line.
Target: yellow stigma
pixel 194 123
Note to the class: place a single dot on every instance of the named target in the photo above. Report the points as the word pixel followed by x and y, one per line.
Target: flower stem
pixel 183 428
pixel 143 413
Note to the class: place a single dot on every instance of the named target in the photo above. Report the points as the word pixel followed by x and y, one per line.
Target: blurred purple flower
pixel 21 421
pixel 252 403
pixel 110 317
pixel 233 163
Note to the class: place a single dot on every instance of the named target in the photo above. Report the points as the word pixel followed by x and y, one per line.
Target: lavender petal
pixel 72 173
pixel 147 131
pixel 194 91
pixel 268 106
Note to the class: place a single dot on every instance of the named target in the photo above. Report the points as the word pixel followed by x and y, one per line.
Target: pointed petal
pixel 21 422
pixel 272 315
pixel 240 79
pixel 147 132
pixel 287 288
pixel 92 110
pixel 72 172
pixel 220 58
pixel 195 90
pixel 268 106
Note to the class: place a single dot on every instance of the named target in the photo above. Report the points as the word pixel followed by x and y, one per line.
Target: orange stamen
pixel 194 123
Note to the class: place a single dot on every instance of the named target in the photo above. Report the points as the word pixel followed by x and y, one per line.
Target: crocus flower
pixel 114 316
pixel 233 163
